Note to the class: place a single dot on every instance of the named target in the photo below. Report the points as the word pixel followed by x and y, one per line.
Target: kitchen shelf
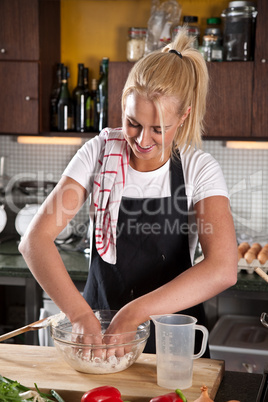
pixel 237 98
pixel 73 134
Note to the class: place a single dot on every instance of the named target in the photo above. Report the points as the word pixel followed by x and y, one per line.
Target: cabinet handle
pixel 3 50
pixel 30 98
pixel 263 61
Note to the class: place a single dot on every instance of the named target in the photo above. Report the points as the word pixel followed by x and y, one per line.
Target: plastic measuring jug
pixel 175 336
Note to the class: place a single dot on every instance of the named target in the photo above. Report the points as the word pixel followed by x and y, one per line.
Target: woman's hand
pixel 121 330
pixel 87 330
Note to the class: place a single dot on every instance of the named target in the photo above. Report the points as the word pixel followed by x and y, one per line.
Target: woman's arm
pixel 42 257
pixel 214 274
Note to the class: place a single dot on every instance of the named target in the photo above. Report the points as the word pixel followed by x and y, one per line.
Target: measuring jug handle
pixel 204 340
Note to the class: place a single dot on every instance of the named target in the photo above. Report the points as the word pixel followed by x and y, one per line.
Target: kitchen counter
pixel 237 386
pixel 12 264
pixel 14 271
pixel 43 365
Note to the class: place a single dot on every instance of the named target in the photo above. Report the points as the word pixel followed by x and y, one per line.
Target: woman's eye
pixel 132 124
pixel 157 131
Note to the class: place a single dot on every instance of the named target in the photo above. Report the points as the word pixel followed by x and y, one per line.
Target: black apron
pixel 152 249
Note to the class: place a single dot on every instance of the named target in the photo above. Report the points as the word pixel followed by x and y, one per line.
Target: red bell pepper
pixel 171 397
pixel 101 394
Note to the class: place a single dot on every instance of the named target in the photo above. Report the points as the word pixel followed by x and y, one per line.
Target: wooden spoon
pixel 261 273
pixel 45 322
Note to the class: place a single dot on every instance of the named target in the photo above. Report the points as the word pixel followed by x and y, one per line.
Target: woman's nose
pixel 144 138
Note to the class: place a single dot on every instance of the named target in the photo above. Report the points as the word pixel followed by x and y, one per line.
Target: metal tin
pixel 241 4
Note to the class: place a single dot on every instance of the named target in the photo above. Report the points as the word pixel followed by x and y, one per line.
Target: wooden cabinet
pixel 117 75
pixel 29 50
pixel 260 87
pixel 229 102
pixel 19 30
pixel 237 100
pixel 19 97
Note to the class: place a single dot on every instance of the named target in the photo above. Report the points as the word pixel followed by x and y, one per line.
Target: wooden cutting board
pixel 45 367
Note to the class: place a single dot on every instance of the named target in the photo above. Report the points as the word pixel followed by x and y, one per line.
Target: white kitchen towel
pixel 108 189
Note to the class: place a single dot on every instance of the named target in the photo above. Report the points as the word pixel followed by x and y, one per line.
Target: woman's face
pixel 142 131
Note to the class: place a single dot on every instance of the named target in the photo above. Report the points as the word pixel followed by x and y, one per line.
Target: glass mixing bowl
pixel 116 352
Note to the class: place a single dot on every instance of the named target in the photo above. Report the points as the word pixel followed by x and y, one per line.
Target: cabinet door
pixel 228 105
pixel 118 72
pixel 260 94
pixel 19 97
pixel 19 30
pixel 229 100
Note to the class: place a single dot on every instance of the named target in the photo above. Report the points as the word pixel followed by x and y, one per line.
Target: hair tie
pixel 176 52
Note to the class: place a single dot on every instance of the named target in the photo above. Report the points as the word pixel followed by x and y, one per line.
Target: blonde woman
pixel 154 194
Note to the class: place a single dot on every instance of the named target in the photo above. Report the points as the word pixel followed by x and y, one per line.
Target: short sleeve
pixel 82 166
pixel 203 176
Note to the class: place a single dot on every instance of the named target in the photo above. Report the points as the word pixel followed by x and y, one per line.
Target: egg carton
pixel 250 268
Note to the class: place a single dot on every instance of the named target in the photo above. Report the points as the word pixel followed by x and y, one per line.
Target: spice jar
pixel 214 28
pixel 136 43
pixel 239 30
pixel 211 48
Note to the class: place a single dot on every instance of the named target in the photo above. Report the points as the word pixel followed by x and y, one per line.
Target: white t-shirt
pixel 203 178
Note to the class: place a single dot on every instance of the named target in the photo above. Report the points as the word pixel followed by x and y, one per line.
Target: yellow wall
pixel 92 29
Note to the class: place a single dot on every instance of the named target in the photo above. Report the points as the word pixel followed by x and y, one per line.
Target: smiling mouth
pixel 144 149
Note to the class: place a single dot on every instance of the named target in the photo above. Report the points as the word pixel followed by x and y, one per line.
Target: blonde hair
pixel 185 79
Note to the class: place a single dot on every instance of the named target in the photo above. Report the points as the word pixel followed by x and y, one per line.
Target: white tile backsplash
pixel 39 162
pixel 245 171
pixel 246 175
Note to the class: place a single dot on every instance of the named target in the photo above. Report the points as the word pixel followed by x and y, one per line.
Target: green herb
pixel 56 396
pixel 10 391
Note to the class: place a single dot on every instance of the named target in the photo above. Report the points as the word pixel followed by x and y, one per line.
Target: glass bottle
pixel 79 101
pixel 214 27
pixel 87 99
pixel 212 49
pixel 86 82
pixel 54 98
pixel 103 94
pixel 239 31
pixel 65 104
pixel 94 115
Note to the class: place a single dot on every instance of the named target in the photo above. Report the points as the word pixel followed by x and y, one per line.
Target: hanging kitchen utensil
pixel 25 216
pixel 4 178
pixel 45 322
pixel 263 319
pixel 33 187
pixel 3 218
